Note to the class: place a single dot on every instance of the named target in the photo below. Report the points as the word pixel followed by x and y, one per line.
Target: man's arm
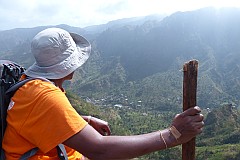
pixel 95 146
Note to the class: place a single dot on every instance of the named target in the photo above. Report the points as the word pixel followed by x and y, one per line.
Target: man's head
pixel 57 53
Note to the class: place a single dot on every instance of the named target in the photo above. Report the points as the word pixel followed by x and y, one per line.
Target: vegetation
pixel 220 139
pixel 219 152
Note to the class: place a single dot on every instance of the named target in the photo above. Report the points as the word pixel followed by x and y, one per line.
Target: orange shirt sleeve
pixel 45 116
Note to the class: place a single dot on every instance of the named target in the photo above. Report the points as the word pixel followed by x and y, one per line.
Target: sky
pixel 82 13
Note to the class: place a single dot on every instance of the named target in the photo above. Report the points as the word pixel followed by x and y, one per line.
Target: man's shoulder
pixel 38 87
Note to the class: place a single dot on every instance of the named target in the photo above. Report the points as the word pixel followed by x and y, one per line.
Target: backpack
pixel 10 74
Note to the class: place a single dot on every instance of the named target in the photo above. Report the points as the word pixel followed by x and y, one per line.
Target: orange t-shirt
pixel 40 115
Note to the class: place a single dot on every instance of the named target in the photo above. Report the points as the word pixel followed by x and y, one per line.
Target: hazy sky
pixel 82 13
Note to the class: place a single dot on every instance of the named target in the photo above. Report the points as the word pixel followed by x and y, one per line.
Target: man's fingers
pixel 195 118
pixel 191 111
pixel 193 128
pixel 106 131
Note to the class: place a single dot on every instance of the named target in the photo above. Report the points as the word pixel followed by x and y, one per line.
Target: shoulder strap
pixel 19 84
pixel 62 154
pixel 29 154
pixel 2 154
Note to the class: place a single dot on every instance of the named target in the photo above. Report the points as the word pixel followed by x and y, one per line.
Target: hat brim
pixel 76 59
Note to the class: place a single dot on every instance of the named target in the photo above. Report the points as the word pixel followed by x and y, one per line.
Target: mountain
pixel 183 35
pixel 135 21
pixel 143 61
pixel 140 58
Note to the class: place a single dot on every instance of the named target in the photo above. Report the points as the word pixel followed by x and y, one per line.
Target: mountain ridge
pixel 122 57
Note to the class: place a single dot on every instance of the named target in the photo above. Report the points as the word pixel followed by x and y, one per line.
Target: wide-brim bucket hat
pixel 57 53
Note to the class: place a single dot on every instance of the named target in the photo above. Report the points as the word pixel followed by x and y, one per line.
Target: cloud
pixel 112 8
pixel 81 13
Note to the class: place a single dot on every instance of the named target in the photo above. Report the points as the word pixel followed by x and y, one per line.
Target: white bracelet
pixel 175 132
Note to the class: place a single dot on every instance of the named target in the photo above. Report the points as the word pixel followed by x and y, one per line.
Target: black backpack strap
pixel 19 84
pixel 29 154
pixel 2 154
pixel 62 154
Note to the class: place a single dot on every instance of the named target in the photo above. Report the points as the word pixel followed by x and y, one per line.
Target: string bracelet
pixel 175 132
pixel 161 136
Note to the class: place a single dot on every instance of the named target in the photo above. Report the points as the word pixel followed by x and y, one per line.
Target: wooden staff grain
pixel 190 70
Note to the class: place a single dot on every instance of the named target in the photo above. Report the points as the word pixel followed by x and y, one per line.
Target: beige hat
pixel 57 53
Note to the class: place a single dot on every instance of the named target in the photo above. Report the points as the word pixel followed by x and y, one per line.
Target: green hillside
pixel 220 139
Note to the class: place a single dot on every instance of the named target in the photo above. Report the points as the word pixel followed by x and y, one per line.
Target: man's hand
pixel 100 125
pixel 189 124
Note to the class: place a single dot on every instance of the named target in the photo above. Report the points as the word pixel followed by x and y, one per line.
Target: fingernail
pixel 196 107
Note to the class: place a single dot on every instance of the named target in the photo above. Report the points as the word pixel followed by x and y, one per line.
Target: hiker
pixel 40 115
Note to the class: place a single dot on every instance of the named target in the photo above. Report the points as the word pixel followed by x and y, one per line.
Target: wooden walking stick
pixel 190 70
